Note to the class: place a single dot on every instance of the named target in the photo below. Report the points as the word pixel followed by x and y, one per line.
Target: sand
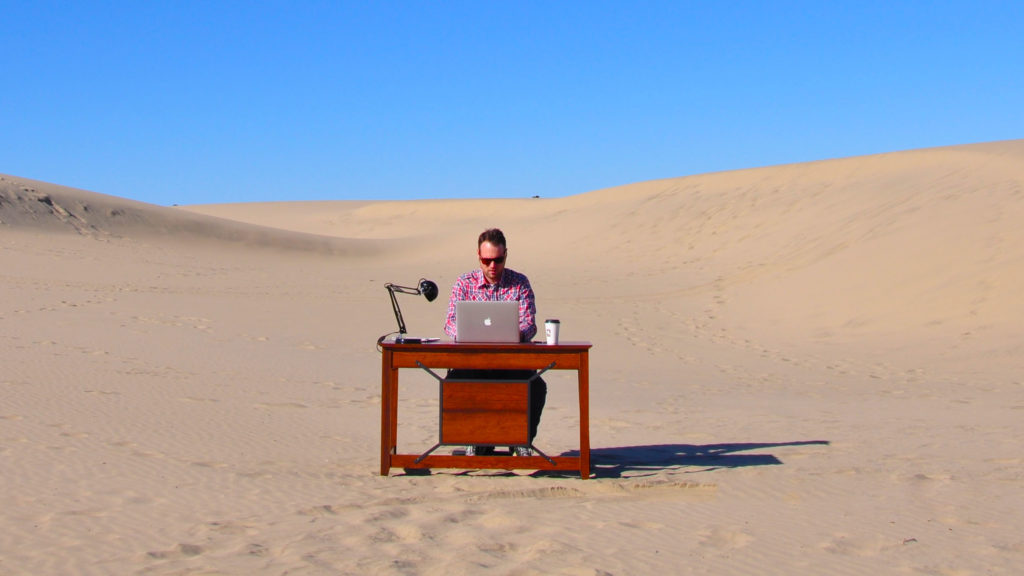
pixel 810 368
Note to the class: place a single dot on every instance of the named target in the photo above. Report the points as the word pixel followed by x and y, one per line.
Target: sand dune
pixel 40 206
pixel 809 368
pixel 921 243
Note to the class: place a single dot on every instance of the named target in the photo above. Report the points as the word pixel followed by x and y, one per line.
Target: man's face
pixel 492 261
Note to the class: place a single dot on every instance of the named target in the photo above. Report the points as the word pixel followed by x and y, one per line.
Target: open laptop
pixel 487 321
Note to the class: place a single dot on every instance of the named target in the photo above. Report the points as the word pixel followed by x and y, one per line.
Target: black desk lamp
pixel 427 288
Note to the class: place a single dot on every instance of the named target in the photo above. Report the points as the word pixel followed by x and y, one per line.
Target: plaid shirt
pixel 512 286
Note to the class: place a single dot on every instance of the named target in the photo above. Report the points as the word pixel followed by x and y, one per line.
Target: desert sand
pixel 802 369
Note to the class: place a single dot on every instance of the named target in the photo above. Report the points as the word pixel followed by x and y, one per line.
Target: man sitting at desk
pixel 492 281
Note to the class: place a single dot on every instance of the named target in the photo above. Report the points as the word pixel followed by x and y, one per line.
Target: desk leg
pixel 584 393
pixel 387 414
pixel 393 418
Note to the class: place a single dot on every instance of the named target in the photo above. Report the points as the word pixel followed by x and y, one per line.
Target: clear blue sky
pixel 195 102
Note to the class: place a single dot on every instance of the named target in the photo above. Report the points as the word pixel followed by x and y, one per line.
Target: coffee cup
pixel 551 327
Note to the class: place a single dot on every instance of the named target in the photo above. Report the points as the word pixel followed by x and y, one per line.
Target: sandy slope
pixel 809 368
pixel 39 206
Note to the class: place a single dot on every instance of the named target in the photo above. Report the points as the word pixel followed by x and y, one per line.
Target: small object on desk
pixel 551 327
pixel 403 339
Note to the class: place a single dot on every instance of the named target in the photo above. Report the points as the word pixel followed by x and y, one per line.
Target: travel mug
pixel 551 330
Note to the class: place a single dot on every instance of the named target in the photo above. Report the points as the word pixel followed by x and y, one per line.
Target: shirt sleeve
pixel 527 312
pixel 458 293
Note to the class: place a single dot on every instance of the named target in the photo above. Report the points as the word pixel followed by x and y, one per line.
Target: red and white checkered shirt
pixel 512 286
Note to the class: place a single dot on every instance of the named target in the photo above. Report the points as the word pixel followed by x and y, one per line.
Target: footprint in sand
pixel 722 538
pixel 182 551
pixel 847 545
pixel 280 405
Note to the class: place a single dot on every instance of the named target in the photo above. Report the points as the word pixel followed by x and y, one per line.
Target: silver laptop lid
pixel 487 321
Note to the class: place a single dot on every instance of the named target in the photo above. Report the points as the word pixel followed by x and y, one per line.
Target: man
pixel 492 281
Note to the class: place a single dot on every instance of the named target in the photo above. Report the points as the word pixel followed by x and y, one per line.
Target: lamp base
pixel 403 339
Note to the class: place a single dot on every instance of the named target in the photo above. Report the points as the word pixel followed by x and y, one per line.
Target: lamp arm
pixel 402 289
pixel 394 303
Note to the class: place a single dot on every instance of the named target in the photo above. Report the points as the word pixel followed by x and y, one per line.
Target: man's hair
pixel 492 235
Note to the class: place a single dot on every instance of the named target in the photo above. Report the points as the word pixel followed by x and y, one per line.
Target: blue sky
pixel 198 102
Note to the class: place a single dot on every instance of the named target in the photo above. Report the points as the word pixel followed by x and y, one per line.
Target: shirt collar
pixel 481 282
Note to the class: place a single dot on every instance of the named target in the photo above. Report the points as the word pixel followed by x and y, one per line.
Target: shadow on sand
pixel 616 462
pixel 632 461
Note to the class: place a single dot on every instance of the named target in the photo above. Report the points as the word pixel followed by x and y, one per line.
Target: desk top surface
pixel 447 346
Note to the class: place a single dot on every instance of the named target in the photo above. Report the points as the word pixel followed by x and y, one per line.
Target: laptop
pixel 487 321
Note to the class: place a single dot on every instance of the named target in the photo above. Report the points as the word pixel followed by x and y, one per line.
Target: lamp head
pixel 428 289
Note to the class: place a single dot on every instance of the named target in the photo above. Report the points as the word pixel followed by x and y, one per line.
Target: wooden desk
pixel 528 355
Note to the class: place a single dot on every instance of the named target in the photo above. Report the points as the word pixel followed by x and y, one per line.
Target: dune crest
pixel 913 243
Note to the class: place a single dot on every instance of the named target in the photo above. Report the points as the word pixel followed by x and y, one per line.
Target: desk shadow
pixel 618 461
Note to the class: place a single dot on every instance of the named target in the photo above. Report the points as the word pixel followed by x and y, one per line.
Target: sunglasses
pixel 498 260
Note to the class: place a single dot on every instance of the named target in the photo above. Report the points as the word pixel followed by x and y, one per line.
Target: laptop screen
pixel 487 321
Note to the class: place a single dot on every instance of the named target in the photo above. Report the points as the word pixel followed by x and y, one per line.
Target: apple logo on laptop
pixel 487 321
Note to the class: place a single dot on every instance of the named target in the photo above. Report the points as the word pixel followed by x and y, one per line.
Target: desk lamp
pixel 426 287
